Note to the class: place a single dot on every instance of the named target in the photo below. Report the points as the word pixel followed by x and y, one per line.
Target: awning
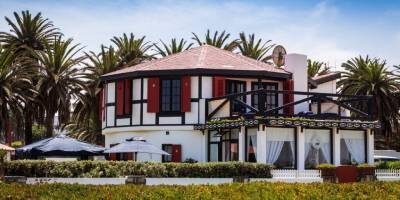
pixel 135 146
pixel 60 145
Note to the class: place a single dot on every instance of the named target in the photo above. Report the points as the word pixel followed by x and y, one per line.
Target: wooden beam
pixel 217 109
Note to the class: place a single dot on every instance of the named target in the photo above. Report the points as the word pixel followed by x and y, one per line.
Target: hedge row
pixel 371 190
pixel 31 168
pixel 388 165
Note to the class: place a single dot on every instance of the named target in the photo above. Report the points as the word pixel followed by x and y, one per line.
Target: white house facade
pixel 209 104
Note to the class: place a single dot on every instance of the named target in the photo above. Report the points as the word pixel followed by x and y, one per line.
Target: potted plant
pixel 366 172
pixel 328 172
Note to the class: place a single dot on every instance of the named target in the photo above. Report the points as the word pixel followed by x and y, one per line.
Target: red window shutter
pixel 218 86
pixel 185 94
pixel 128 97
pixel 113 156
pixel 288 98
pixel 120 97
pixel 176 153
pixel 129 156
pixel 153 95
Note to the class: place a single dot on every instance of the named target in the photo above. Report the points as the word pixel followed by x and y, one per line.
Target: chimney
pixel 297 65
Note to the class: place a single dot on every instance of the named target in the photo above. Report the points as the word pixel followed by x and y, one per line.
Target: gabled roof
pixel 326 77
pixel 202 60
pixel 315 81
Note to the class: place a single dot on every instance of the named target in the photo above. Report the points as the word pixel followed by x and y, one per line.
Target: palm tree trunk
pixel 49 125
pixel 8 133
pixel 28 126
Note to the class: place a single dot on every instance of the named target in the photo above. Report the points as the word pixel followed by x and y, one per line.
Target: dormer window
pixel 170 95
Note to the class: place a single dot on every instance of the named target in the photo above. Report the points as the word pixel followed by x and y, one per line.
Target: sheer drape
pixel 276 138
pixel 274 149
pixel 355 143
pixel 317 147
pixel 356 149
pixel 253 139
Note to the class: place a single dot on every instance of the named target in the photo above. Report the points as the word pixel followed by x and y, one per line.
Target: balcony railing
pixel 319 106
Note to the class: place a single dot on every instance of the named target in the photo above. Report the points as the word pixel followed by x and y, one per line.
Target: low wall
pixel 84 181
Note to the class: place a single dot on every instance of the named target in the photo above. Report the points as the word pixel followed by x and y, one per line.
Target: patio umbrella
pixel 60 145
pixel 5 147
pixel 135 146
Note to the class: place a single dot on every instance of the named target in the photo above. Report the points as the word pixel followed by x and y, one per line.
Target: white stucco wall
pixel 297 64
pixel 193 142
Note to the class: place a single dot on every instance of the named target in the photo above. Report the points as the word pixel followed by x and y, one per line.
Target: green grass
pixel 370 190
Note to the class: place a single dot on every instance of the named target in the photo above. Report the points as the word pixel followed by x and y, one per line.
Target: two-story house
pixel 209 104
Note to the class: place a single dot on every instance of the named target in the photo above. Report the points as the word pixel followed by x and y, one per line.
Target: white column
pixel 300 148
pixel 262 145
pixel 336 146
pixel 370 146
pixel 242 144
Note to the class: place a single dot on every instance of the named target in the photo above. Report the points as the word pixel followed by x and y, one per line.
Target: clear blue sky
pixel 330 31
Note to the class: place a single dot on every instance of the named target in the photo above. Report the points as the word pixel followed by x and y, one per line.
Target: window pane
pixel 352 147
pixel 214 152
pixel 252 145
pixel 281 147
pixel 171 95
pixel 317 147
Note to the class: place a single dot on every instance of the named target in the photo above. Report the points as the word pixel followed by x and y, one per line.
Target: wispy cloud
pixel 322 31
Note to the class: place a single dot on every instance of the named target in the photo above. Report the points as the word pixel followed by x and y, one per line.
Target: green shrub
pixel 326 166
pixel 388 165
pixel 317 191
pixel 365 165
pixel 36 168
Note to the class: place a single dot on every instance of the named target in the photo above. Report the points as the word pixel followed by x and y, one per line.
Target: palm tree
pixel 173 47
pixel 315 68
pixel 60 79
pixel 253 48
pixel 217 40
pixel 366 76
pixel 15 87
pixel 29 32
pixel 132 51
pixel 85 123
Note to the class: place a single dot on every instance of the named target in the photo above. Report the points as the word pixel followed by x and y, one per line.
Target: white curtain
pixel 253 139
pixel 292 147
pixel 274 149
pixel 326 149
pixel 318 141
pixel 356 149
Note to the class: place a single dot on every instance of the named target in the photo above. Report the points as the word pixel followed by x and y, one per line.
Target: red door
pixel 347 173
pixel 176 153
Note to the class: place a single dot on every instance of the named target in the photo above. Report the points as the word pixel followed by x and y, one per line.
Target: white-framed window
pixel 318 147
pixel 352 147
pixel 281 147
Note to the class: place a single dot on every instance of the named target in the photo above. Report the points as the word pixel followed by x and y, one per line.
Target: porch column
pixel 336 145
pixel 300 148
pixel 262 144
pixel 242 144
pixel 370 146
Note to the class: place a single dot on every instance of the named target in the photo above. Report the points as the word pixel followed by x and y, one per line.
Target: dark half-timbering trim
pixel 142 101
pixel 202 72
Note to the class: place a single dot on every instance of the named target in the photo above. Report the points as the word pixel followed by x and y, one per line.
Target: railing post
pixel 206 111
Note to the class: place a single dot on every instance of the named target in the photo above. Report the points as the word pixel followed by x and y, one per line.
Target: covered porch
pixel 305 130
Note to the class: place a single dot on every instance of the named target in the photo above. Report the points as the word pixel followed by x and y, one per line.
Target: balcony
pixel 288 108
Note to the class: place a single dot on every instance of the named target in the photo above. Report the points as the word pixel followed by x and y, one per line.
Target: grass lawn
pixel 372 190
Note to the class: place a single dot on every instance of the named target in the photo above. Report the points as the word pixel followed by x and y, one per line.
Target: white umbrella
pixel 135 146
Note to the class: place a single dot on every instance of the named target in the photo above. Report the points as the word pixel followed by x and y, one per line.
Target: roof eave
pixel 197 72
